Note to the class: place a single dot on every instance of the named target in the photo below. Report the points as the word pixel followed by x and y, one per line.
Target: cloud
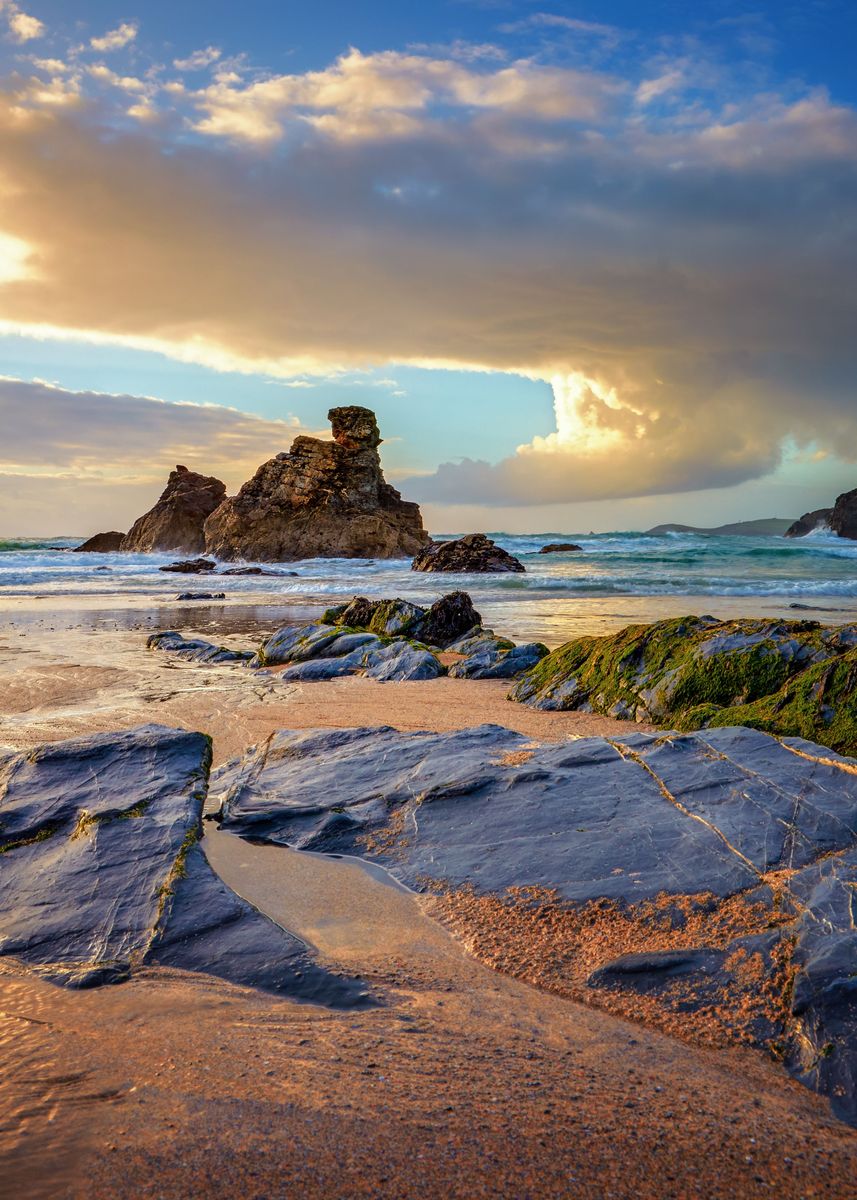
pixel 650 89
pixel 50 432
pixel 198 60
pixel 22 27
pixel 403 208
pixel 382 96
pixel 115 39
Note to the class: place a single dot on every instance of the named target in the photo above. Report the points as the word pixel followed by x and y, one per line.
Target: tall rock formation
pixel 321 500
pixel 177 520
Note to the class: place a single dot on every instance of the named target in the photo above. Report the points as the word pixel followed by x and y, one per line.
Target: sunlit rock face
pixel 177 520
pixel 321 500
pixel 102 872
pixel 730 857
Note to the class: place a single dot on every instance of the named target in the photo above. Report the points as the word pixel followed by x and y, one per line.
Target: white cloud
pixel 390 95
pixel 22 27
pixel 104 74
pixel 116 38
pixel 650 89
pixel 199 60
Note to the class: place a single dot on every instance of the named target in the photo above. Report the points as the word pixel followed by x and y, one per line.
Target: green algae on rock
pixel 786 677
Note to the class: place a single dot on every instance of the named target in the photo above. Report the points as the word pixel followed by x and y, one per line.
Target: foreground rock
pixel 102 543
pixel 102 871
pixel 177 520
pixel 386 640
pixel 559 548
pixel 705 877
pixel 474 553
pixel 788 677
pixel 321 500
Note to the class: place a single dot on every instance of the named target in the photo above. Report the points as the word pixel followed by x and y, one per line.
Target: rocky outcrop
pixel 797 678
pixel 843 519
pixel 177 520
pixel 321 500
pixel 559 548
pixel 103 873
pixel 447 620
pixel 808 522
pixel 474 553
pixel 102 543
pixel 709 872
pixel 191 566
pixel 492 660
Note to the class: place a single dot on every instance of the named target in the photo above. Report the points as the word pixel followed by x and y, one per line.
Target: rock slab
pixel 320 500
pixel 699 818
pixel 101 871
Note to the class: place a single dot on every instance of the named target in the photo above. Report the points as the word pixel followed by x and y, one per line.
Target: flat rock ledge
pixel 102 872
pixel 727 861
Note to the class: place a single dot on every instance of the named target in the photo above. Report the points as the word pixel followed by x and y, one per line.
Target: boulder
pixel 102 543
pixel 808 522
pixel 252 571
pixel 195 649
pixel 790 677
pixel 746 842
pixel 494 661
pixel 400 662
pixel 201 596
pixel 177 520
pixel 320 500
pixel 448 619
pixel 843 519
pixel 559 548
pixel 193 566
pixel 474 553
pixel 103 873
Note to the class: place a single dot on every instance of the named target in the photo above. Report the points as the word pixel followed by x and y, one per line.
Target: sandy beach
pixel 463 1082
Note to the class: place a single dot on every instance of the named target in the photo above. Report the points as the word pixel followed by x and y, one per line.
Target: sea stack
pixel 321 500
pixel 177 520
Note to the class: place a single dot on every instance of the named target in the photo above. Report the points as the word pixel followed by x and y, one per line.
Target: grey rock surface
pixel 701 816
pixel 101 871
pixel 195 649
pixel 493 661
pixel 400 662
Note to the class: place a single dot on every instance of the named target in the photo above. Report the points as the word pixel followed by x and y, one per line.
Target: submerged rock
pixel 559 548
pixel 750 842
pixel 788 677
pixel 201 596
pixel 177 520
pixel 474 553
pixel 102 871
pixel 102 543
pixel 321 500
pixel 193 566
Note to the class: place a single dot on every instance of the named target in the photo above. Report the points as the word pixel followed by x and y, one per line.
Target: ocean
pixel 616 578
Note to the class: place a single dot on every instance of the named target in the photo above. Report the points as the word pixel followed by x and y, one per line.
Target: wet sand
pixel 464 1083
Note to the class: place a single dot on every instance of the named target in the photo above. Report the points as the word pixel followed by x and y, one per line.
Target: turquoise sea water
pixel 616 578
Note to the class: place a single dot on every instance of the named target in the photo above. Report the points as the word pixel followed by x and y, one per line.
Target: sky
pixel 591 264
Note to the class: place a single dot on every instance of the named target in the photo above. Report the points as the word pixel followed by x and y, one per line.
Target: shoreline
pixel 465 1082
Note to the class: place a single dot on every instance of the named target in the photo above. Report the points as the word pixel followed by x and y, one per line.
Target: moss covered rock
pixel 786 677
